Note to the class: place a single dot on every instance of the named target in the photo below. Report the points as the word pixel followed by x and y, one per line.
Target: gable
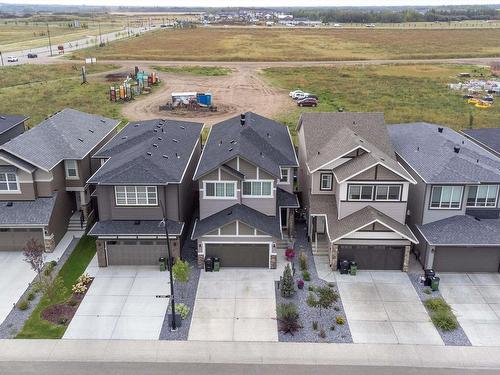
pixel 377 173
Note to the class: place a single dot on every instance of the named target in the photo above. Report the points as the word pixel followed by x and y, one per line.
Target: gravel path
pixel 457 337
pixel 307 315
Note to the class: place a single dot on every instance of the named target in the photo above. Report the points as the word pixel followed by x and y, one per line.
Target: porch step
pixel 321 249
pixel 75 225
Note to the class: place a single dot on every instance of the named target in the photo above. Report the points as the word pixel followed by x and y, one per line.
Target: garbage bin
pixel 163 263
pixel 216 264
pixel 435 283
pixel 429 273
pixel 353 268
pixel 344 267
pixel 209 265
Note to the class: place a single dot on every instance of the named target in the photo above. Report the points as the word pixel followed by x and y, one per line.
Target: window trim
pixel 126 204
pixel 287 176
pixel 360 199
pixel 440 200
pixel 243 195
pixel 321 175
pixel 234 183
pixel 388 187
pixel 66 169
pixel 485 205
pixel 18 186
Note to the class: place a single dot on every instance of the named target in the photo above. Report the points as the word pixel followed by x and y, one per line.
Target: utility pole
pixel 100 35
pixel 50 43
pixel 1 58
pixel 128 25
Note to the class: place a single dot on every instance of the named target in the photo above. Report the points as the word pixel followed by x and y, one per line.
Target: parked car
pixel 32 55
pixel 307 102
pixel 295 92
pixel 312 96
pixel 302 96
pixel 12 59
pixel 488 98
pixel 467 96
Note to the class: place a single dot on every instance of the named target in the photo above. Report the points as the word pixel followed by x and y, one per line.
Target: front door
pixel 284 218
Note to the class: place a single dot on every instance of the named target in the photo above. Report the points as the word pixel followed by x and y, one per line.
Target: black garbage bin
pixel 344 267
pixel 209 265
pixel 428 274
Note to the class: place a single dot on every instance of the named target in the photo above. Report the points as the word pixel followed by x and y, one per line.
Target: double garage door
pixel 135 253
pixel 467 259
pixel 15 239
pixel 239 255
pixel 373 257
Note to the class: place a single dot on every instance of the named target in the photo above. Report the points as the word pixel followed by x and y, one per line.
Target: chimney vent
pixel 242 119
pixel 440 129
pixel 456 149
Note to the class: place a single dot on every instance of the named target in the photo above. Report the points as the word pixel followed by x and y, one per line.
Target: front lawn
pixel 38 328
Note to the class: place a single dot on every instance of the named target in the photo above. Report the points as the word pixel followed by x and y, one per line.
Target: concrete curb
pixel 249 353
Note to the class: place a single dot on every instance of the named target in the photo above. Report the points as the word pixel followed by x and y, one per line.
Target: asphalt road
pixel 89 368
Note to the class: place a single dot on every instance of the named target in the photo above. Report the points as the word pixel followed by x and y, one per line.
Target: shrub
pixel 322 333
pixel 324 299
pixel 182 309
pixel 84 279
pixel 62 320
pixel 72 302
pixel 23 305
pixel 303 261
pixel 340 320
pixel 315 325
pixel 290 254
pixel 79 288
pixel 441 314
pixel 310 288
pixel 306 275
pixel 54 288
pixel 287 286
pixel 30 296
pixel 336 308
pixel 53 263
pixel 288 318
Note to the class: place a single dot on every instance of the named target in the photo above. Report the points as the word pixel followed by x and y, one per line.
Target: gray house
pixel 146 168
pixel 354 191
pixel 454 205
pixel 245 178
pixel 489 138
pixel 11 126
pixel 43 175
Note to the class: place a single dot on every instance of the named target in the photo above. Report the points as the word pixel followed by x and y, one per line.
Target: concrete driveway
pixel 235 304
pixel 122 303
pixel 383 307
pixel 475 299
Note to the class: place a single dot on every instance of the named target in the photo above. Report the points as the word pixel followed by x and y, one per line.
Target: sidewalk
pixel 247 352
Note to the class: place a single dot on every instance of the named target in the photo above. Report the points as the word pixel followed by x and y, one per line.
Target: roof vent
pixel 220 143
pixel 2 117
pixel 160 138
pixel 103 121
pixel 165 156
pixel 231 149
pixel 232 141
pixel 124 137
pixel 175 140
pixel 456 149
pixel 80 139
pixel 418 148
pixel 137 222
pixel 230 213
pixel 148 153
pixel 155 130
pixel 382 159
pixel 177 155
pixel 136 125
pixel 477 218
pixel 354 122
pixel 440 129
pixel 155 145
pixel 463 142
pixel 268 135
pixel 90 130
pixel 318 152
pixel 242 119
pixel 182 127
pixel 9 204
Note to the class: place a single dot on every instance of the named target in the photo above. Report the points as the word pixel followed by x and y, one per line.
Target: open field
pixel 197 70
pixel 259 44
pixel 405 93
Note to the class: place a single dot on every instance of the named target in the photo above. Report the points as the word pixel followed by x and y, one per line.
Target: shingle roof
pixel 16 161
pixel 462 230
pixel 261 141
pixel 7 122
pixel 286 199
pixel 132 228
pixel 36 212
pixel 431 154
pixel 489 137
pixel 148 152
pixel 68 134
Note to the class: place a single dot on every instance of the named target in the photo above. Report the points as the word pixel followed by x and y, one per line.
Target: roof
pixel 431 154
pixel 68 134
pixel 7 122
pixel 487 137
pixel 148 152
pixel 286 199
pixel 338 229
pixel 329 136
pixel 136 228
pixel 17 162
pixel 261 141
pixel 36 212
pixel 462 230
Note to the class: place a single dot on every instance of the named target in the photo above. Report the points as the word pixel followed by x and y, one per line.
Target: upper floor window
pixel 482 196
pixel 8 182
pixel 326 181
pixel 388 192
pixel 71 169
pixel 225 189
pixel 361 192
pixel 285 175
pixel 136 195
pixel 446 197
pixel 262 189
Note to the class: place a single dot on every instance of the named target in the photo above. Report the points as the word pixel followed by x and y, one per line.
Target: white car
pixel 301 96
pixel 12 59
pixel 295 92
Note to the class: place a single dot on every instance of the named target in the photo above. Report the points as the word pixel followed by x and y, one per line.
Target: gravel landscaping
pixel 456 337
pixel 17 318
pixel 307 315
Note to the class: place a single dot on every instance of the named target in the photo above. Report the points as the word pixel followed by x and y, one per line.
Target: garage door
pixel 467 259
pixel 135 253
pixel 240 255
pixel 374 257
pixel 15 239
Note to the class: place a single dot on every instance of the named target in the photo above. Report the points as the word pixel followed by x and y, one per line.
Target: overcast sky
pixel 252 3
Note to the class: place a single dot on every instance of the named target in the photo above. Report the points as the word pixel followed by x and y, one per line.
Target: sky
pixel 253 3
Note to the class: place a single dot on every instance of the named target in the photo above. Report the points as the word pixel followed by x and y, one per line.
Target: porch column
pixel 334 254
pixel 100 246
pixel 84 205
pixel 406 260
pixel 201 256
pixel 49 241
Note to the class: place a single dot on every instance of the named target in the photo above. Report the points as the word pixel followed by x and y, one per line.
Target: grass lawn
pixel 40 90
pixel 35 327
pixel 280 44
pixel 198 70
pixel 405 93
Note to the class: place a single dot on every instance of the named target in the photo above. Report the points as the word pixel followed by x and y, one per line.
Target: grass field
pixel 40 90
pixel 260 44
pixel 211 71
pixel 405 93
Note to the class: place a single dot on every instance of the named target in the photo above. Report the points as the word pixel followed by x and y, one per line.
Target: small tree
pixel 287 284
pixel 34 255
pixel 181 271
pixel 322 298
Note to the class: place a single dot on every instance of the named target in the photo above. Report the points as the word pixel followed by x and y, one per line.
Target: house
pixel 354 191
pixel 489 138
pixel 146 170
pixel 245 178
pixel 454 205
pixel 43 174
pixel 11 126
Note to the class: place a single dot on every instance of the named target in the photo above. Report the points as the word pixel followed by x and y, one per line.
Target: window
pixel 220 189
pixel 326 181
pixel 71 169
pixel 482 196
pixel 446 197
pixel 258 189
pixel 285 176
pixel 388 192
pixel 360 192
pixel 8 181
pixel 136 196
